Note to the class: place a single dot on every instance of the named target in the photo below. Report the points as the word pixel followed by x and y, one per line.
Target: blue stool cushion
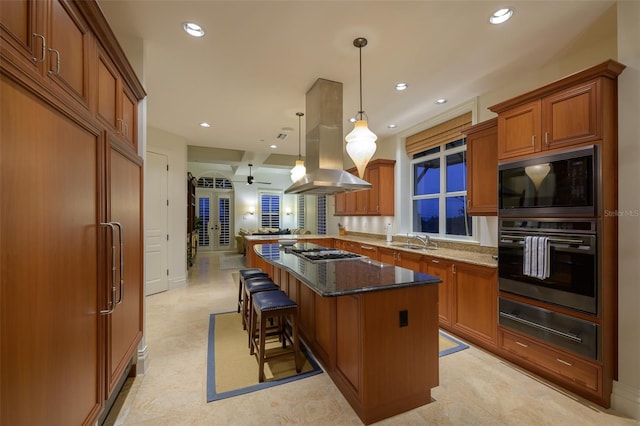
pixel 255 275
pixel 248 271
pixel 270 300
pixel 260 284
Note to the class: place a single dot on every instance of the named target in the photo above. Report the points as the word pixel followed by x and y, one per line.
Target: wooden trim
pixel 609 69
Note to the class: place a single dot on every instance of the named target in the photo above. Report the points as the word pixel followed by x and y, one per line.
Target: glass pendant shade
pixel 298 171
pixel 361 145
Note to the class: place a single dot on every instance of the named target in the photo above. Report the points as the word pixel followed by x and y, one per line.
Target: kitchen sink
pixel 414 247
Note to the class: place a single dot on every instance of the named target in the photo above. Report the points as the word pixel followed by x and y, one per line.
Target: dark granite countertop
pixel 342 277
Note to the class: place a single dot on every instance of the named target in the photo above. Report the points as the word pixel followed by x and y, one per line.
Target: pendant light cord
pixel 299 114
pixel 361 111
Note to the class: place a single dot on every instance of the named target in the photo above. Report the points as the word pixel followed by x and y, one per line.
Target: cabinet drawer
pixel 578 371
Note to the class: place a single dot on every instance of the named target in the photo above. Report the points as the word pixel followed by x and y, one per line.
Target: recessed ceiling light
pixel 193 29
pixel 500 16
pixel 392 126
pixel 401 86
pixel 273 146
pixel 205 124
pixel 441 101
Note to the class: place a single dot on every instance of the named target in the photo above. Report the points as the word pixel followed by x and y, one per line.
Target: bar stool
pixel 269 306
pixel 252 286
pixel 244 275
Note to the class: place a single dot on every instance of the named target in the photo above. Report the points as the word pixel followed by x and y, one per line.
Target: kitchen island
pixel 372 325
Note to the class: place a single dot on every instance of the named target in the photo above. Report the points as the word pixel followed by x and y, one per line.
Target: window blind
pixel 448 131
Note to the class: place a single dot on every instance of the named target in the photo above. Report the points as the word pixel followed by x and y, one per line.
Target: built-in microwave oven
pixel 556 185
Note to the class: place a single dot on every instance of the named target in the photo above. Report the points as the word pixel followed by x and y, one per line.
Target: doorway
pixel 215 213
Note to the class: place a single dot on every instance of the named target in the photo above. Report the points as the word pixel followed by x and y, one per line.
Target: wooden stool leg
pixel 262 339
pixel 296 341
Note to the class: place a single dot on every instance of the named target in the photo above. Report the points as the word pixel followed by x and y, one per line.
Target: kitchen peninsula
pixel 373 326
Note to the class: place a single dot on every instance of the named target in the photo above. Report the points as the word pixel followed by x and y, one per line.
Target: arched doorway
pixel 214 197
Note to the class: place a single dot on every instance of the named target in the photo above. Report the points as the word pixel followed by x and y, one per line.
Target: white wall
pixel 175 148
pixel 626 391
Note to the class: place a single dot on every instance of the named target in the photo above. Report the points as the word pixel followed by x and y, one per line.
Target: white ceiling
pixel 249 74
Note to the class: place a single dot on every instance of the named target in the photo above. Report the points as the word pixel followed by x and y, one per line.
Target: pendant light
pixel 361 142
pixel 299 170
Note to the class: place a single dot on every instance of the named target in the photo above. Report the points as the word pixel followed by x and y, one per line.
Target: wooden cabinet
pixel 378 201
pixel 74 319
pixel 575 372
pixel 440 268
pixel 116 105
pixel 124 324
pixel 482 168
pixel 468 298
pixel 404 259
pixel 569 112
pixel 474 309
pixel 50 330
pixel 51 40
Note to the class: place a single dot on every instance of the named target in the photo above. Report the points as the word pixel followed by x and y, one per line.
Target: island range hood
pixel 325 174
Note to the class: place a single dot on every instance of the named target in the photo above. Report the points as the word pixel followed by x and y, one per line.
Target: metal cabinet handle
pixel 453 268
pixel 112 303
pixel 546 138
pixel 561 361
pixel 121 235
pixel 57 71
pixel 43 50
pixel 533 140
pixel 522 344
pixel 367 248
pixel 120 128
pixel 435 261
pixel 126 128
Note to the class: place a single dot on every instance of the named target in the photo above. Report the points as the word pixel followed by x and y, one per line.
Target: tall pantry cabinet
pixel 70 214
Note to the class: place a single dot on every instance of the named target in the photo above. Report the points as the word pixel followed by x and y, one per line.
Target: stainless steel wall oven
pixel 573 281
pixel 572 250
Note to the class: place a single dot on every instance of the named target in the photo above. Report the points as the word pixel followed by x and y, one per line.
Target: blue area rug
pixel 449 344
pixel 237 370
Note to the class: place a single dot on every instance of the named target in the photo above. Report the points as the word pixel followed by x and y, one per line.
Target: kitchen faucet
pixel 424 239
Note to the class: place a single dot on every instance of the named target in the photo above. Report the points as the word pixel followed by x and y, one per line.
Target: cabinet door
pixel 475 297
pixel 382 195
pixel 518 131
pixel 49 243
pixel 387 256
pixel 571 117
pixel 482 176
pixel 21 33
pixel 440 269
pixel 107 109
pixel 129 117
pixel 409 260
pixel 67 60
pixel 125 323
pixel 369 251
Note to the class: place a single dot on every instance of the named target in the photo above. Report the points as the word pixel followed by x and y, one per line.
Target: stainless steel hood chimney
pixel 325 174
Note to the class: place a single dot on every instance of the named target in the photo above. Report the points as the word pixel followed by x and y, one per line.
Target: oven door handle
pixel 551 239
pixel 541 327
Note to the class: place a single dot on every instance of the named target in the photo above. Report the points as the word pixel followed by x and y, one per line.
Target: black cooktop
pixel 318 254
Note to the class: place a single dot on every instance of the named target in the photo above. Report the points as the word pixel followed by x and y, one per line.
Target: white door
pixel 223 225
pixel 155 223
pixel 204 197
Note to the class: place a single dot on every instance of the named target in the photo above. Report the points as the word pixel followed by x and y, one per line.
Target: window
pixel 301 211
pixel 439 177
pixel 214 182
pixel 269 210
pixel 322 214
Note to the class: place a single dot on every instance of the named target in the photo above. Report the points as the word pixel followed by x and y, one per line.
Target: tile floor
pixel 476 388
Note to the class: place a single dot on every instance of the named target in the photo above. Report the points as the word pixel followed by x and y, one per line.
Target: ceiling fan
pixel 250 178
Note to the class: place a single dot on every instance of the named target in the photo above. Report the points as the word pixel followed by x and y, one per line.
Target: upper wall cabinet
pixel 565 113
pixel 482 168
pixel 51 39
pixel 116 104
pixel 379 200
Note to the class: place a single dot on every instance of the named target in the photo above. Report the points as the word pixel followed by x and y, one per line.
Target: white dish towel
pixel 536 258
